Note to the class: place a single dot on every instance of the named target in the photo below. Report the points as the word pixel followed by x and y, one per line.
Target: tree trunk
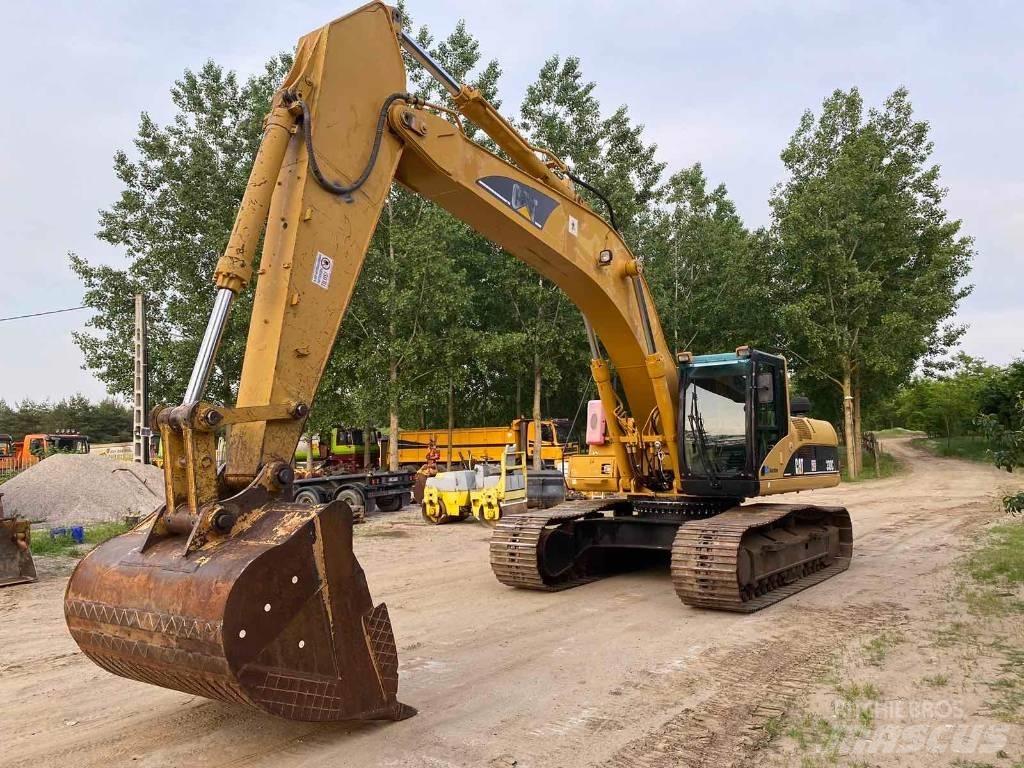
pixel 393 416
pixel 451 419
pixel 366 446
pixel 538 459
pixel 857 433
pixel 848 428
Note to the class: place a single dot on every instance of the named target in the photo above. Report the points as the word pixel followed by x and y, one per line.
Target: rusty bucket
pixel 277 615
pixel 16 566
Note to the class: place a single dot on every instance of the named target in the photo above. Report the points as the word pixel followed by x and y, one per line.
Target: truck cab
pixel 33 448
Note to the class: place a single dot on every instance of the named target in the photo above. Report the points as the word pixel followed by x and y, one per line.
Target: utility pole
pixel 140 406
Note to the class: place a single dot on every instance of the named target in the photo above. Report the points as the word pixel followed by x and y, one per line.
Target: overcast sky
pixel 722 83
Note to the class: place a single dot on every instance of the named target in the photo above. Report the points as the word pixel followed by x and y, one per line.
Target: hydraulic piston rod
pixel 474 106
pixel 208 346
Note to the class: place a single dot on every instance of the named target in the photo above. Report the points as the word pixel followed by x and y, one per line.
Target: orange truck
pixel 21 454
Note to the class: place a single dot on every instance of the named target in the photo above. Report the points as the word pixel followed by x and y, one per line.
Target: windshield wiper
pixel 701 441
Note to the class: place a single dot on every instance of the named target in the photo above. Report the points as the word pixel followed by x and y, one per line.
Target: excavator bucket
pixel 275 615
pixel 16 566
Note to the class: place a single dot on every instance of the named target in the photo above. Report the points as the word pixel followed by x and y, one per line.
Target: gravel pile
pixel 87 488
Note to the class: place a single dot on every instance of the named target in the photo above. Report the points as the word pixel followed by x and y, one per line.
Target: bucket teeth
pixel 276 616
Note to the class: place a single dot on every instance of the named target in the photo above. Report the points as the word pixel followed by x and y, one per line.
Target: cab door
pixel 769 404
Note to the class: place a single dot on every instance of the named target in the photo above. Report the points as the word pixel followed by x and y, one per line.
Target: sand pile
pixel 75 489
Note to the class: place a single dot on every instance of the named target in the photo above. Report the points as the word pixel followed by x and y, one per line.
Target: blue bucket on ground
pixel 76 532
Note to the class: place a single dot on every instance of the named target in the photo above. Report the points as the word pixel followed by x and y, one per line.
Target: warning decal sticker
pixel 322 268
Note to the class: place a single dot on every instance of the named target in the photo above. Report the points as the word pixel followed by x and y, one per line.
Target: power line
pixel 40 314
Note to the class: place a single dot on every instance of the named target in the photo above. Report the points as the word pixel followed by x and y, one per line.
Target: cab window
pixel 715 420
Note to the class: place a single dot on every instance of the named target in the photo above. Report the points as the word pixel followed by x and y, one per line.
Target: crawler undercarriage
pixel 723 555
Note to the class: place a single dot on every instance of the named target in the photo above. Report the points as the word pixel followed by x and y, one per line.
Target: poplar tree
pixel 870 264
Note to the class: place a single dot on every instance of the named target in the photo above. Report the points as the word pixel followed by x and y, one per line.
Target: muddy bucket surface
pixel 16 565
pixel 276 615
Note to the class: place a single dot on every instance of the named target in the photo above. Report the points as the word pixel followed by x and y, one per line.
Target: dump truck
pixel 234 592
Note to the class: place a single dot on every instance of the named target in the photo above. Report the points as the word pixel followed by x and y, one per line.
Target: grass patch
pixel 44 544
pixel 810 731
pixel 1000 560
pixel 887 467
pixel 1008 688
pixel 935 681
pixel 889 434
pixel 954 633
pixel 772 728
pixel 989 602
pixel 97 534
pixel 970 447
pixel 878 647
pixel 853 692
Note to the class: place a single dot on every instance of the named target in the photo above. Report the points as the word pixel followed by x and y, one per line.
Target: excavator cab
pixel 735 426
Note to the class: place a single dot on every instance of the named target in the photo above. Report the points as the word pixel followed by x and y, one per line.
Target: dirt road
pixel 615 673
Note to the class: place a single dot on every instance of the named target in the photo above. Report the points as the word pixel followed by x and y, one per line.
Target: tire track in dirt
pixel 617 673
pixel 724 727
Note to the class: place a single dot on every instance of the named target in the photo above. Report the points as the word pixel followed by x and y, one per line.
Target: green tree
pixel 180 190
pixel 1001 394
pixel 1006 442
pixel 869 262
pixel 108 421
pixel 709 284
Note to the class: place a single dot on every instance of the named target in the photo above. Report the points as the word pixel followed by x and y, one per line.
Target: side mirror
pixel 765 387
pixel 799 405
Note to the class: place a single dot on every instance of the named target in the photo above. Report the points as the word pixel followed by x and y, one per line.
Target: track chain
pixel 517 538
pixel 705 557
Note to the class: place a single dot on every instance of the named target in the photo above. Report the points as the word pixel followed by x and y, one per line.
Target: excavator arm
pixel 341 129
pixel 232 591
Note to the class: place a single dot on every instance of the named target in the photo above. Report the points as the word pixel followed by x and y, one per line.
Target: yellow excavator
pixel 234 592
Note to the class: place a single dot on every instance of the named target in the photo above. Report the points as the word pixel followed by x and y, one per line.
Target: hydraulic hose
pixel 597 192
pixel 334 187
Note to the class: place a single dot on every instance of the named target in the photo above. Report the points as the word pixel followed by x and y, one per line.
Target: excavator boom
pixel 232 590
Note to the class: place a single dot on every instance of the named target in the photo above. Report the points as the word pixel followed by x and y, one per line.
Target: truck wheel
pixel 355 500
pixel 390 503
pixel 309 496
